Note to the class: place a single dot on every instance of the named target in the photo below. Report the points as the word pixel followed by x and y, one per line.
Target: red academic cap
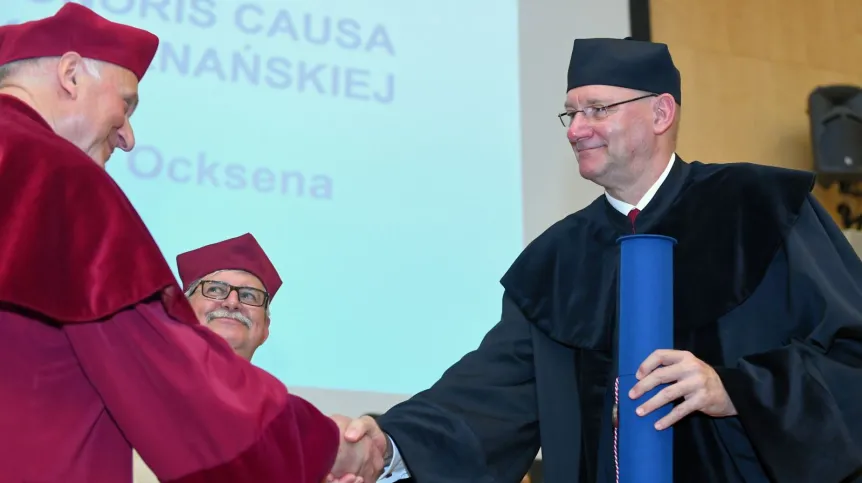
pixel 77 28
pixel 240 253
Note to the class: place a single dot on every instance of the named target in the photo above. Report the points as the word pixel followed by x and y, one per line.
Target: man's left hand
pixel 688 377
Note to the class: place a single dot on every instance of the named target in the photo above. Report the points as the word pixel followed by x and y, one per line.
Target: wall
pixel 748 67
pixel 552 187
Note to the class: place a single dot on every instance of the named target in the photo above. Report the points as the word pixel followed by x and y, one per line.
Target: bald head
pixel 87 102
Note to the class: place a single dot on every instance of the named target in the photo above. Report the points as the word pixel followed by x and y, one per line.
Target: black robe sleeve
pixel 479 422
pixel 801 404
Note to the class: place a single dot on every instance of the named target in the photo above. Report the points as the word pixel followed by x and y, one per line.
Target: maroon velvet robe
pixel 100 351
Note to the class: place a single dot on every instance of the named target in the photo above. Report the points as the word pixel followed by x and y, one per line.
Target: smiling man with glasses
pixel 230 285
pixel 764 373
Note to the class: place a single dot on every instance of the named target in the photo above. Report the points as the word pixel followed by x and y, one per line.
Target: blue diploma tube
pixel 645 324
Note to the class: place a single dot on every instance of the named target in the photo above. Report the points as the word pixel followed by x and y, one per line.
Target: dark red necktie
pixel 632 216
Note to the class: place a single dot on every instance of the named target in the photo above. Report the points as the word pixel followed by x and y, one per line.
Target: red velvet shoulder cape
pixel 73 248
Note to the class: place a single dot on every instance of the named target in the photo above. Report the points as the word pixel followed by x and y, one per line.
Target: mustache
pixel 227 314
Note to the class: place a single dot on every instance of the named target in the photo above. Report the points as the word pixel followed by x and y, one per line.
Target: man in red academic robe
pixel 230 286
pixel 100 350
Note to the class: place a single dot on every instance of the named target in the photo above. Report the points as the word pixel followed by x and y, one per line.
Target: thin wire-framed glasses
pixel 595 113
pixel 216 290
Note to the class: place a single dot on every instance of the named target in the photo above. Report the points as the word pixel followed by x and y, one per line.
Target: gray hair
pixel 40 66
pixel 194 286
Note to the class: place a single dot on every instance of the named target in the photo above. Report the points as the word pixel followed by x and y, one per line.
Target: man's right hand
pixel 367 426
pixel 357 431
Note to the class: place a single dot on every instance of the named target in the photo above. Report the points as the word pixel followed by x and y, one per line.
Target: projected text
pixel 151 163
pixel 276 72
pixel 261 64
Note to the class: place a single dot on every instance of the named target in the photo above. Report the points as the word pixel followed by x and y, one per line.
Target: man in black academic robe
pixel 768 308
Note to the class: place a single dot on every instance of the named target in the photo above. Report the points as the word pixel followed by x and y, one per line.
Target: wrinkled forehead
pixel 119 75
pixel 240 278
pixel 123 80
pixel 594 95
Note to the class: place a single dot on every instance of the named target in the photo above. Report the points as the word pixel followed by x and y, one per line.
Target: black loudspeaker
pixel 835 115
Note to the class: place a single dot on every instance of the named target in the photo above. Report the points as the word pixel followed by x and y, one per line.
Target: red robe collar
pixel 73 248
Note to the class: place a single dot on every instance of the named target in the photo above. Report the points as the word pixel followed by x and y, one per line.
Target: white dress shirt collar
pixel 625 208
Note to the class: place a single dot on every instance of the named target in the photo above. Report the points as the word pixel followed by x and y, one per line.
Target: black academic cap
pixel 633 64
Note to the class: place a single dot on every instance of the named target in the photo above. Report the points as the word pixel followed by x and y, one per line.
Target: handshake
pixel 363 452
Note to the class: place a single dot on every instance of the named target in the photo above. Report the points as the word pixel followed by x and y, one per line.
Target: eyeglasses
pixel 595 113
pixel 213 289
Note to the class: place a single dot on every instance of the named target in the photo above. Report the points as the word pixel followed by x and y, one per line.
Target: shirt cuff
pixel 396 470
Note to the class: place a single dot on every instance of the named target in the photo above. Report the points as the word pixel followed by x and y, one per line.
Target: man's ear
pixel 265 331
pixel 68 73
pixel 664 113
